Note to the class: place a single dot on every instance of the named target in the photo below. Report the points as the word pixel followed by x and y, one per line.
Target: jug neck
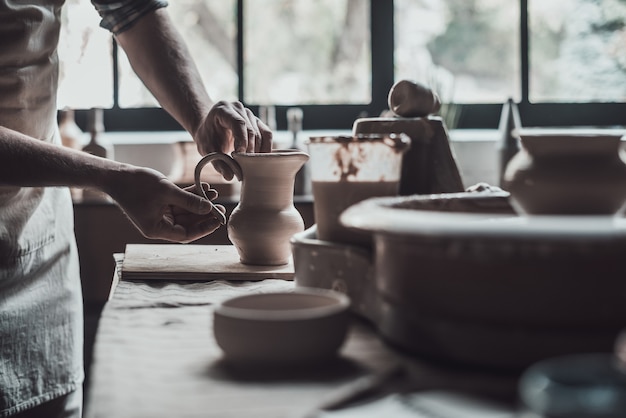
pixel 268 179
pixel 265 192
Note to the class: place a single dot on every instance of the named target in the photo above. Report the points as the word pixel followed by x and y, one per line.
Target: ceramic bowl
pixel 291 328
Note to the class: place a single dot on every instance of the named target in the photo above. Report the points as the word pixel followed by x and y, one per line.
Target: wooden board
pixel 194 262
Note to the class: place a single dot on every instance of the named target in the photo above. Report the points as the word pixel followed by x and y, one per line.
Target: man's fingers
pixel 266 137
pixel 189 201
pixel 223 168
pixel 234 119
pixel 254 135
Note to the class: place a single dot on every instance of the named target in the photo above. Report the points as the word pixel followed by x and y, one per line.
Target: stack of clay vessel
pixel 430 165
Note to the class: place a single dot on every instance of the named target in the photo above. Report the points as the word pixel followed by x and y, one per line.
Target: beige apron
pixel 41 338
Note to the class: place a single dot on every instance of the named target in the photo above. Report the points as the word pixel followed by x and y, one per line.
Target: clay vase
pixel 261 225
pixel 566 174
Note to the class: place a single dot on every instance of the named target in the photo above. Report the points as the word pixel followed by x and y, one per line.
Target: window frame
pixel 472 116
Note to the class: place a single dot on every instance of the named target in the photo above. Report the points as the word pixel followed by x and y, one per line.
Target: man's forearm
pixel 161 59
pixel 28 162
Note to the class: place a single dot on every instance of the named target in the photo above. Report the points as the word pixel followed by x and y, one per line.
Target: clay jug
pixel 261 225
pixel 567 174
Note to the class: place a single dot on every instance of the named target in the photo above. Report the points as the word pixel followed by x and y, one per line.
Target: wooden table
pixel 155 356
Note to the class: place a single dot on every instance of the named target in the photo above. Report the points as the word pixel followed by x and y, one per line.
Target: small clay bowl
pixel 302 327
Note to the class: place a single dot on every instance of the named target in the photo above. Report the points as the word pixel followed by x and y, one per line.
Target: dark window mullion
pixel 116 75
pixel 240 46
pixel 382 42
pixel 525 51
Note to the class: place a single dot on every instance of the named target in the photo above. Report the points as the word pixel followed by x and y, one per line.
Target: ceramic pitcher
pixel 261 225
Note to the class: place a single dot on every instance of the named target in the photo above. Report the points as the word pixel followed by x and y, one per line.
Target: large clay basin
pixel 461 278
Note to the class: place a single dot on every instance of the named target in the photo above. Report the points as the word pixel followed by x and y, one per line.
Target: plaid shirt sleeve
pixel 119 15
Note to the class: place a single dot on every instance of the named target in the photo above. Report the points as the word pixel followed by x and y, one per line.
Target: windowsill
pixel 283 138
pixel 475 149
pixel 492 135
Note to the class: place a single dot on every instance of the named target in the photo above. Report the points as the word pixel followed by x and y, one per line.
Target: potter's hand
pixel 229 126
pixel 162 210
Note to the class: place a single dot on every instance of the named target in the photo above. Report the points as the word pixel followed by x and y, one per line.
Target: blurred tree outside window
pixel 307 52
pixel 470 49
pixel 85 59
pixel 466 50
pixel 209 27
pixel 314 52
pixel 577 50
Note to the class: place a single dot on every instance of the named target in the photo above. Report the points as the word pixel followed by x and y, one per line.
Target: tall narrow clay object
pixel 261 225
pixel 429 166
pixel 508 129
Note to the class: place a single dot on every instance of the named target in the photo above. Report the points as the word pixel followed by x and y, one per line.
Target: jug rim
pixel 277 152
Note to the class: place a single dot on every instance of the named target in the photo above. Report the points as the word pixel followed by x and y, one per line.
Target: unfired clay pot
pixel 262 223
pixel 283 329
pixel 567 174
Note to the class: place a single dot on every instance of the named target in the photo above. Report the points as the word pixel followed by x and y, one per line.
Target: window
pixel 209 27
pixel 314 52
pixel 577 51
pixel 563 61
pixel 468 51
pixel 85 59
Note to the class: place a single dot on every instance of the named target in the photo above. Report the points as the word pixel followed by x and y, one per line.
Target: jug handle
pixel 228 160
